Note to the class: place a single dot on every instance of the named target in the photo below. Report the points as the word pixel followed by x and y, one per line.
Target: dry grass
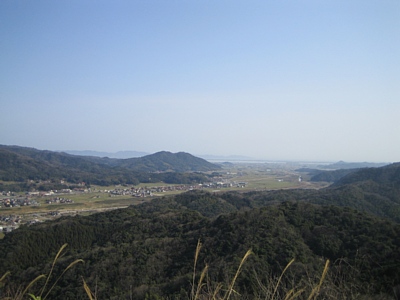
pixel 21 293
pixel 203 288
pixel 89 293
pixel 206 290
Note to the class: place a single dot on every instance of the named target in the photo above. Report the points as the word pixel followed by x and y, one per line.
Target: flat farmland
pixel 236 177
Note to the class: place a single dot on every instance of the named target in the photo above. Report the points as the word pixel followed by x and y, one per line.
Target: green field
pixel 256 177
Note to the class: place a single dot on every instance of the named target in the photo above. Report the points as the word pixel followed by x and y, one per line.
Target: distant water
pixel 258 161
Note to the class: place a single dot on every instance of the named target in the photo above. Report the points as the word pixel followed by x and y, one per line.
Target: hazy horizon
pixel 291 81
pixel 123 154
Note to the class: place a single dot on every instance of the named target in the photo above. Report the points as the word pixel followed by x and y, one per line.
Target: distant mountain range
pixel 132 154
pixel 22 163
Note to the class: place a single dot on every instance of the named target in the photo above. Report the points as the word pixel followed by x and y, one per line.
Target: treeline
pixel 148 250
pixel 53 182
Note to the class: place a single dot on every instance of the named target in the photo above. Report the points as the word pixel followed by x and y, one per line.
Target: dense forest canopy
pixel 148 250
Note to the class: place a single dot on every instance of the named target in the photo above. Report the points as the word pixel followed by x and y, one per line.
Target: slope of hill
pixel 331 176
pixel 372 190
pixel 334 172
pixel 387 175
pixel 21 164
pixel 147 251
pixel 165 161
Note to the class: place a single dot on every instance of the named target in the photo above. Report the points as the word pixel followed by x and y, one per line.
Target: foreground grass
pixel 205 290
pixel 202 288
pixel 44 291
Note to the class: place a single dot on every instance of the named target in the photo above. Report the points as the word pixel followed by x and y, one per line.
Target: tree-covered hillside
pixel 21 164
pixel 387 175
pixel 338 170
pixel 149 249
pixel 331 176
pixel 167 161
pixel 372 190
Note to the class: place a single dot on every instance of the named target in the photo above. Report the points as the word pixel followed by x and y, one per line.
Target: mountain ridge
pixel 23 163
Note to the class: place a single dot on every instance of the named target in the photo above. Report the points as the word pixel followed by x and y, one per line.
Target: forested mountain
pixel 148 250
pixel 372 190
pixel 21 163
pixel 167 161
pixel 387 175
pixel 157 162
pixel 331 176
pixel 338 170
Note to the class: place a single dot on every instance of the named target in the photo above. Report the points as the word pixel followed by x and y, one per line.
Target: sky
pixel 299 80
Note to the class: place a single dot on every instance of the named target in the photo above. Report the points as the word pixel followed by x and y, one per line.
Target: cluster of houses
pixel 11 199
pixel 62 191
pixel 130 192
pixel 9 222
pixel 150 191
pixel 223 184
pixel 59 200
pixel 8 194
pixel 146 191
pixel 18 201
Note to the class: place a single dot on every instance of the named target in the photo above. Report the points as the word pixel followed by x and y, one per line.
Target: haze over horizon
pixel 276 80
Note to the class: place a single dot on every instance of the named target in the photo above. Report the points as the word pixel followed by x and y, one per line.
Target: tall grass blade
pixel 5 275
pixel 59 277
pixel 216 291
pixel 32 283
pixel 87 290
pixel 316 289
pixel 280 277
pixel 295 295
pixel 196 256
pixel 200 283
pixel 289 294
pixel 230 289
pixel 52 267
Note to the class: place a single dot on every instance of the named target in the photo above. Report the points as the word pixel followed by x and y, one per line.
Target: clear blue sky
pixel 278 80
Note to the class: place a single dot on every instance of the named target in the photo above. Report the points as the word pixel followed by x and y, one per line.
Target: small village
pixel 156 190
pixel 10 200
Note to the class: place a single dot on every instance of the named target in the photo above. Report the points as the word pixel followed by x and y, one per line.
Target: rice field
pixel 99 198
